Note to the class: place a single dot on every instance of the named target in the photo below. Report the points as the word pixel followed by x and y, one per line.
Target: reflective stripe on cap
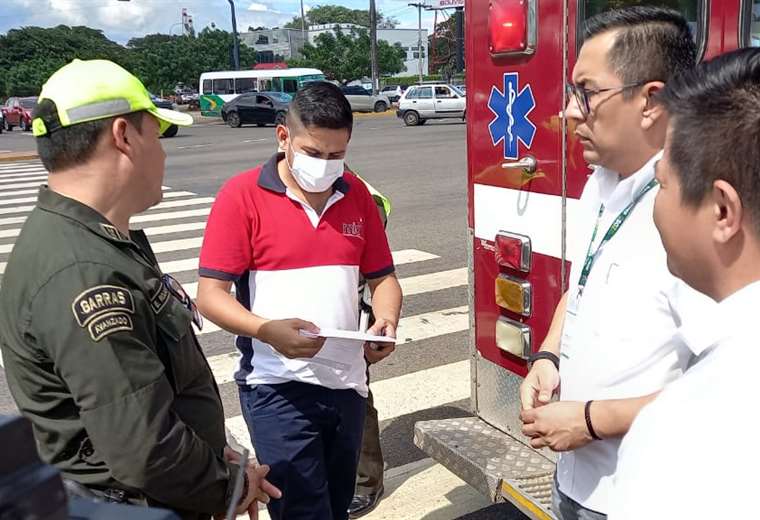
pixel 99 110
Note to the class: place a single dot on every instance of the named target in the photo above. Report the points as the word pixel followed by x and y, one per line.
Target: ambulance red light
pixel 513 251
pixel 511 27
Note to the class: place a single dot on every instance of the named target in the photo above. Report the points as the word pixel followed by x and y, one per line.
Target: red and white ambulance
pixel 525 175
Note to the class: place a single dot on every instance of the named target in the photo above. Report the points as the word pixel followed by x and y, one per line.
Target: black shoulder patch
pixel 109 323
pixel 159 299
pixel 101 299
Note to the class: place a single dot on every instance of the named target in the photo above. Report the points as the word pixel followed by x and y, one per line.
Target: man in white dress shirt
pixel 613 329
pixel 687 454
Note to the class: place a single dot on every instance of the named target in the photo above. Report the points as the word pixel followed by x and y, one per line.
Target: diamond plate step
pixel 491 461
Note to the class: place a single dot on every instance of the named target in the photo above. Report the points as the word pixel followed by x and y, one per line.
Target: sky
pixel 122 20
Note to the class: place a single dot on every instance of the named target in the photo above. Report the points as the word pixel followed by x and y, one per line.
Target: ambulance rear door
pixel 515 93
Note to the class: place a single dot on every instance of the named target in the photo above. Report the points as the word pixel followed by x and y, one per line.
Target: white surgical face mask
pixel 313 174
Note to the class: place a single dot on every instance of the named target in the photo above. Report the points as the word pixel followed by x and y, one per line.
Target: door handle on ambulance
pixel 527 163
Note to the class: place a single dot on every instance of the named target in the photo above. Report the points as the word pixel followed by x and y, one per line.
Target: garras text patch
pixel 104 309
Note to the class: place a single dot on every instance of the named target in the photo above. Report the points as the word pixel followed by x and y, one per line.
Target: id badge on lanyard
pixel 574 299
pixel 588 264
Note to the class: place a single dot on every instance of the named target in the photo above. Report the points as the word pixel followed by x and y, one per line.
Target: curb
pixel 199 119
pixel 370 115
pixel 17 156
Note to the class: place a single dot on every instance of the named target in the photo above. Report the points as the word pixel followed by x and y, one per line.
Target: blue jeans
pixel 565 508
pixel 310 436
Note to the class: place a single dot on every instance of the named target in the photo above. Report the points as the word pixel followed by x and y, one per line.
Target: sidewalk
pixel 199 119
pixel 17 156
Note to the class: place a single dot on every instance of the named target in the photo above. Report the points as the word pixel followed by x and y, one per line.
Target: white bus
pixel 216 88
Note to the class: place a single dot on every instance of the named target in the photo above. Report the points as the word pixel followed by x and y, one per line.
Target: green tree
pixel 345 56
pixel 334 14
pixel 162 61
pixel 28 56
pixel 390 58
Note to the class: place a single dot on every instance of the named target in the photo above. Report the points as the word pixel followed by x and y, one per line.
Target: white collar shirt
pixel 618 337
pixel 690 453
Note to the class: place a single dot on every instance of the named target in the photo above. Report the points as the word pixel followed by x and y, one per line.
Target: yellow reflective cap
pixel 98 89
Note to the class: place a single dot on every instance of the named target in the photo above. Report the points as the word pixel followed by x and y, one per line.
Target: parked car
pixel 393 92
pixel 185 95
pixel 165 103
pixel 362 100
pixel 189 97
pixel 422 102
pixel 259 108
pixel 2 122
pixel 17 111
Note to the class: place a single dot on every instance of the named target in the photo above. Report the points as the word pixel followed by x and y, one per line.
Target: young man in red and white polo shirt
pixel 294 235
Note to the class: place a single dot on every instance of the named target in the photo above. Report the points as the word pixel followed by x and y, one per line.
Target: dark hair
pixel 72 145
pixel 715 128
pixel 323 105
pixel 654 43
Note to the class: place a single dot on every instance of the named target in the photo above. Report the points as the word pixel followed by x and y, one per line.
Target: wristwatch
pixel 544 354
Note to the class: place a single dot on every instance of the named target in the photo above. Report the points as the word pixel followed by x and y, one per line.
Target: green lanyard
pixel 614 227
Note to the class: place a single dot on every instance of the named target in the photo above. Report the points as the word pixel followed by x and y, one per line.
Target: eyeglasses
pixel 582 95
pixel 176 289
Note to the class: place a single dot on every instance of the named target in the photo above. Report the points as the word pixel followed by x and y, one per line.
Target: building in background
pixel 407 38
pixel 187 24
pixel 276 45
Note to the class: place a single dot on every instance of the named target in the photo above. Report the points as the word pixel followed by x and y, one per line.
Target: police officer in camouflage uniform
pixel 98 344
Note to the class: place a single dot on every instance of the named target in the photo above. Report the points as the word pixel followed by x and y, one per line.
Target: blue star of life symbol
pixel 511 108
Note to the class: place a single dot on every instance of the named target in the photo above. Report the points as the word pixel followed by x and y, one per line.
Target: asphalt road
pixel 423 171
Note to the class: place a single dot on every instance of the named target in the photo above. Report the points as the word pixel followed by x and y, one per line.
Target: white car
pixel 436 101
pixel 393 92
pixel 362 100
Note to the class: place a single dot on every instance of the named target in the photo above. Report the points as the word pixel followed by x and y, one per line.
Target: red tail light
pixel 512 27
pixel 513 251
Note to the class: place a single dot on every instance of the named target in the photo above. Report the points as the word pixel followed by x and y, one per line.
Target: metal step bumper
pixel 491 461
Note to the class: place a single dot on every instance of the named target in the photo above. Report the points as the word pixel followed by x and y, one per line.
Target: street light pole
pixel 419 7
pixel 303 24
pixel 373 47
pixel 419 39
pixel 460 38
pixel 236 48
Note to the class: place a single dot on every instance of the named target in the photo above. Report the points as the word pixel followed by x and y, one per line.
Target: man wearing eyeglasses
pixel 610 346
pixel 98 344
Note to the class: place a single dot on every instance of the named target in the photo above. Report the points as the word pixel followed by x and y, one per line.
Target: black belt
pixel 111 495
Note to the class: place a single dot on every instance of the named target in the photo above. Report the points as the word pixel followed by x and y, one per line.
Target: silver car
pixel 393 92
pixel 362 100
pixel 437 101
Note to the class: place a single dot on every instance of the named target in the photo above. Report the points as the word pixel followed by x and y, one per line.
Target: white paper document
pixel 348 334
